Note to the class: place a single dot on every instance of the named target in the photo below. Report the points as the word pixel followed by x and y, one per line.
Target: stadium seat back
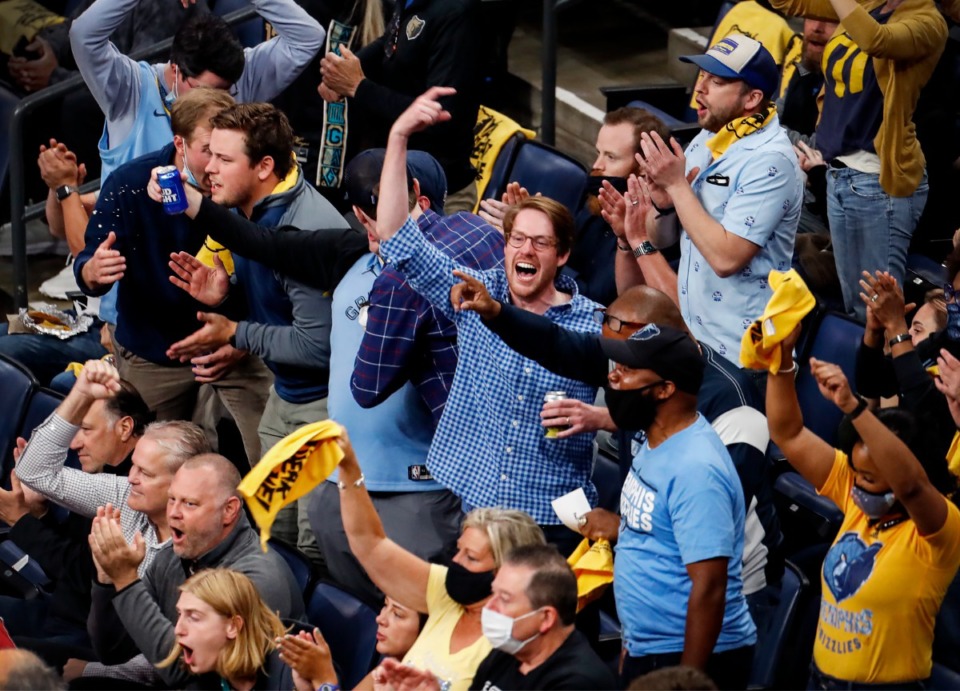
pixel 349 627
pixel 836 339
pixel 773 643
pixel 17 385
pixel 298 562
pixel 541 169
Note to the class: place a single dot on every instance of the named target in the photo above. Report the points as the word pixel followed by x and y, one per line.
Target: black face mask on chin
pixel 632 409
pixel 467 587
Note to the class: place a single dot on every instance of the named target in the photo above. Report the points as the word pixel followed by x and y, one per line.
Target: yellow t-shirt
pixel 881 592
pixel 432 648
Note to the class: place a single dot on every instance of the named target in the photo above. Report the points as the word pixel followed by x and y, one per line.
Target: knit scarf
pixel 738 129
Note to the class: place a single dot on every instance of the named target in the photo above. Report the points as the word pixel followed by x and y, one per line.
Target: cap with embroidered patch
pixel 669 352
pixel 740 57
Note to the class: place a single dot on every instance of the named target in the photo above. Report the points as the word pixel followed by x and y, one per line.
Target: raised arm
pixel 271 67
pixel 894 460
pixel 401 575
pixel 41 465
pixel 809 454
pixel 393 207
pixel 112 77
pixel 317 258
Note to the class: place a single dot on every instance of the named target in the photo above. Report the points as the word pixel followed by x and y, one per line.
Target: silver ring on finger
pixel 568 422
pixel 582 521
pixel 874 297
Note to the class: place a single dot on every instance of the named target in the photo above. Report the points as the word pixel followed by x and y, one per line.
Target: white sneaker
pixel 61 284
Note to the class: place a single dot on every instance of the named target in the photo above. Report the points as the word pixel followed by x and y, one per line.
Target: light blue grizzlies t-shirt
pixel 681 503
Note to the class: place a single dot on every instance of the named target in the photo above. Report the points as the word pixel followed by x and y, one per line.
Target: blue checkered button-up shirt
pixel 490 448
pixel 407 338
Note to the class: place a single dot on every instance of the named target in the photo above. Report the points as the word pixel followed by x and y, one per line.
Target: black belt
pixel 837 163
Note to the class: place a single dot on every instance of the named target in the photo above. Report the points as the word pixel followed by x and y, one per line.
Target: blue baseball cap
pixel 740 57
pixel 363 175
pixel 669 352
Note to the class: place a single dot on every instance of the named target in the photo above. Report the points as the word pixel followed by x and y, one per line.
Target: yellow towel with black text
pixel 790 303
pixel 593 567
pixel 294 466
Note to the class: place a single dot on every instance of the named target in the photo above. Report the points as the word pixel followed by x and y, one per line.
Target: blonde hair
pixel 232 594
pixel 505 529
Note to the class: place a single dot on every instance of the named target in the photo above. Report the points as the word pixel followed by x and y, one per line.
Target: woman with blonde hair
pixel 225 634
pixel 452 643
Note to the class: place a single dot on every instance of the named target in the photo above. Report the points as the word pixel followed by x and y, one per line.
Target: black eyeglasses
pixel 517 239
pixel 613 323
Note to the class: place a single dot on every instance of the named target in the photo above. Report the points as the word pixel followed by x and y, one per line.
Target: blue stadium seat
pixel 501 167
pixel 249 33
pixel 299 563
pixel 350 629
pixel 773 644
pixel 17 385
pixel 834 338
pixel 944 678
pixel 544 170
pixel 20 571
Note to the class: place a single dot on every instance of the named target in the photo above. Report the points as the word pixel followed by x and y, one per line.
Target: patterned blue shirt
pixel 406 338
pixel 490 448
pixel 754 190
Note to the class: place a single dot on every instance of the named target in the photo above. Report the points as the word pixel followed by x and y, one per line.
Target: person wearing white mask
pixel 529 621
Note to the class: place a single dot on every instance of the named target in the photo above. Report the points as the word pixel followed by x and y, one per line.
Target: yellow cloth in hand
pixel 953 456
pixel 23 19
pixel 790 303
pixel 593 567
pixel 210 248
pixel 294 466
pixel 492 131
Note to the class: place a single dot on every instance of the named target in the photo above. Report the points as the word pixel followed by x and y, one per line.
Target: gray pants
pixel 425 523
pixel 171 393
pixel 281 418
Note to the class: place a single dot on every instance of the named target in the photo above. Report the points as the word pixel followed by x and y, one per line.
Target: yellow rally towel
pixel 953 455
pixel 492 131
pixel 294 466
pixel 23 19
pixel 212 247
pixel 593 567
pixel 790 303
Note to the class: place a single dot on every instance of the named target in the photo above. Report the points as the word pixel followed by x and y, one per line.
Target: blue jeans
pixel 870 229
pixel 48 356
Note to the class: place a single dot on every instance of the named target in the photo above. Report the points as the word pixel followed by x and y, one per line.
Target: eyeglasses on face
pixel 613 323
pixel 518 239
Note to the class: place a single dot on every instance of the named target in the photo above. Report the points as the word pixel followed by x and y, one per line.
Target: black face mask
pixel 632 409
pixel 595 182
pixel 466 587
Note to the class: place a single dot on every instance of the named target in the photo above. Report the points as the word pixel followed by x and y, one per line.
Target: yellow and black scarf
pixel 738 129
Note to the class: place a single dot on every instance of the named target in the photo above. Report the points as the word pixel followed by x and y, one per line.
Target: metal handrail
pixel 20 214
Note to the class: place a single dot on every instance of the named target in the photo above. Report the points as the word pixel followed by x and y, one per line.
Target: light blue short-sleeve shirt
pixel 682 503
pixel 755 190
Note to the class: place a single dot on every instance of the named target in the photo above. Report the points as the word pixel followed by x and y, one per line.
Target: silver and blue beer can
pixel 172 193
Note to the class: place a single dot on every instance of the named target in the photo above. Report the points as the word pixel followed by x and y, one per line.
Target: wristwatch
pixel 644 248
pixel 65 191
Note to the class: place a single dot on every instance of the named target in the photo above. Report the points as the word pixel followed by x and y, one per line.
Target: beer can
pixel 171 190
pixel 552 432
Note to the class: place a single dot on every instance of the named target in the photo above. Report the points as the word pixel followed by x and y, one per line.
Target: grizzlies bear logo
pixel 848 565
